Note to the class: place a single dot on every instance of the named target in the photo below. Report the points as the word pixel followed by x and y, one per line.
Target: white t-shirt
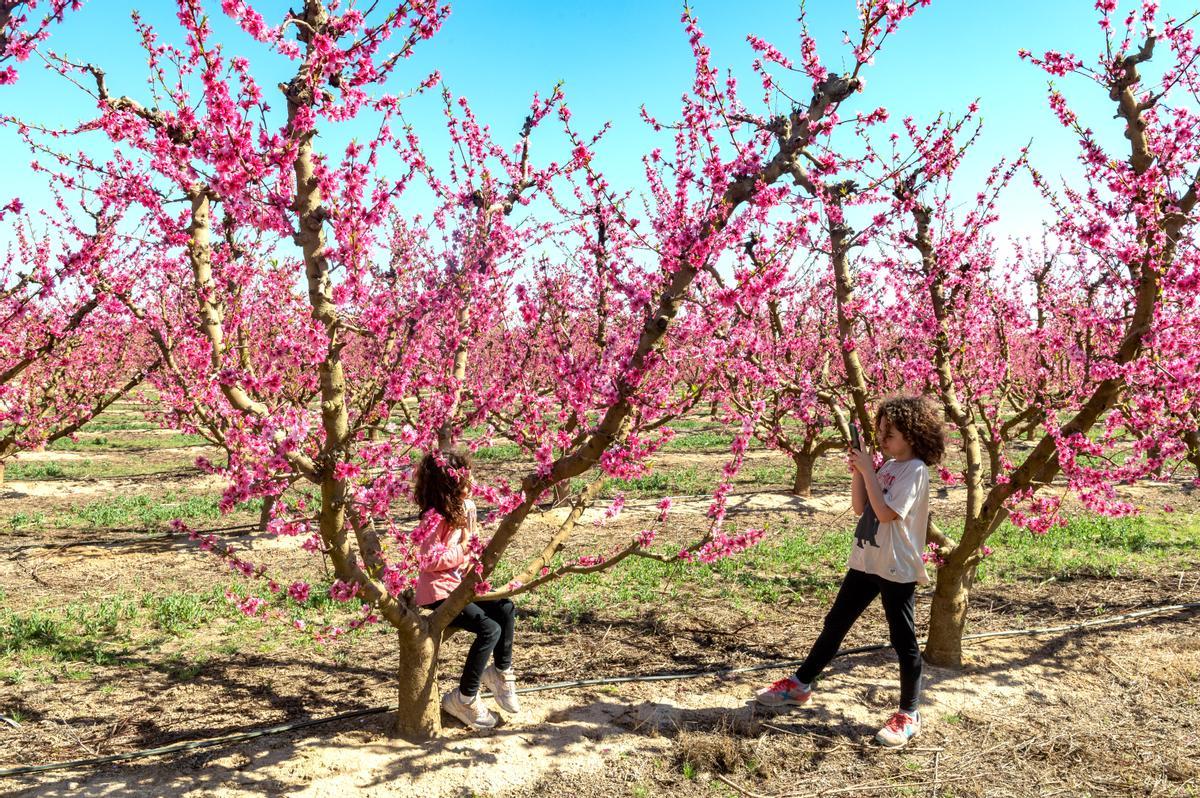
pixel 894 551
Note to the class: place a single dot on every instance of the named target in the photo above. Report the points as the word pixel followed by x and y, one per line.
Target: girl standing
pixel 893 508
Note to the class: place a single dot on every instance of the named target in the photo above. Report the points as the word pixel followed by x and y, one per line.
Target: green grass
pixel 28 632
pixel 702 440
pixel 660 482
pixel 97 630
pixel 177 612
pixel 1092 546
pixel 132 512
pixel 86 468
pixel 34 471
pixel 767 475
pixel 149 512
pixel 91 443
pixel 25 521
pixel 500 452
pixel 145 511
pixel 50 635
pixel 117 425
pixel 117 630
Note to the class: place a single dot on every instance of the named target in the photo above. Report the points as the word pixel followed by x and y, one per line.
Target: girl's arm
pixel 858 491
pixel 865 475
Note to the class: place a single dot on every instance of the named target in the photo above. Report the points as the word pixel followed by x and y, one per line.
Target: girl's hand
pixel 862 461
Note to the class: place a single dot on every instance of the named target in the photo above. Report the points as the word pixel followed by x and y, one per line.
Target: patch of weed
pixel 26 520
pixel 34 471
pixel 1091 545
pixel 143 511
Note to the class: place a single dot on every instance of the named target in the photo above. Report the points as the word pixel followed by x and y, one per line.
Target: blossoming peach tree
pixel 1112 307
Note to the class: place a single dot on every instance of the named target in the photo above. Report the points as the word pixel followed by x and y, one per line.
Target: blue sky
pixel 616 55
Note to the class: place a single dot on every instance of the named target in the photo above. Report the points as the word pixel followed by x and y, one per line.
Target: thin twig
pixel 870 787
pixel 739 788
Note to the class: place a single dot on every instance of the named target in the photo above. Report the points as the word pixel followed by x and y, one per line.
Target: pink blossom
pixel 298 591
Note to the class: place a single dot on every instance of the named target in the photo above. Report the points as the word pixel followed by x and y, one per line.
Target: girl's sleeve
pixel 450 557
pixel 907 488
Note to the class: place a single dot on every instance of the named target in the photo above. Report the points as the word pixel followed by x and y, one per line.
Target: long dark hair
pixel 439 482
pixel 919 420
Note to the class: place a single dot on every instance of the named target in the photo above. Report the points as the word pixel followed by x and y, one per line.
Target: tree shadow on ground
pixel 351 755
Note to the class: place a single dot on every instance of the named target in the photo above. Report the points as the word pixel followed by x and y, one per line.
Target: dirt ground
pixel 1111 710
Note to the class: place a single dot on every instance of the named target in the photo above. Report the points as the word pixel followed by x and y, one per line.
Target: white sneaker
pixel 470 711
pixel 503 687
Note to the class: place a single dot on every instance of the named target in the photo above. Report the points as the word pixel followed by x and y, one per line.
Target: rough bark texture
pixel 856 381
pixel 1191 438
pixel 419 716
pixel 354 551
pixel 995 468
pixel 948 614
pixel 264 515
pixel 802 483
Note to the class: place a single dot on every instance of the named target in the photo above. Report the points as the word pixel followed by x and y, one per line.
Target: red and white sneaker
pixel 900 728
pixel 784 693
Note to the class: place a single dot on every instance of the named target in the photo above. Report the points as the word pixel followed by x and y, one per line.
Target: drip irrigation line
pixel 656 677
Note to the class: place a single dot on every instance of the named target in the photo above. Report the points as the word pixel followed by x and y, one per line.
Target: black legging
pixel 492 623
pixel 858 590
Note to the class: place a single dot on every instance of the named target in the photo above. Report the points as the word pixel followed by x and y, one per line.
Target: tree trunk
pixel 948 615
pixel 1 472
pixel 1191 437
pixel 264 515
pixel 419 713
pixel 994 467
pixel 1154 453
pixel 802 484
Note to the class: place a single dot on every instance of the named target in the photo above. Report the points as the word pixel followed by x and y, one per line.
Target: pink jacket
pixel 444 554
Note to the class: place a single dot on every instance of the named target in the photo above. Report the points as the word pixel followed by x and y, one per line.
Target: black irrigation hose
pixel 358 713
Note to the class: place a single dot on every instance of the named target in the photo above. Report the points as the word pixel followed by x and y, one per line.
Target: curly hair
pixel 919 420
pixel 439 484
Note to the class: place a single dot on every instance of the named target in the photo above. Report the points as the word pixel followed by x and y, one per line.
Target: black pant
pixel 856 594
pixel 492 623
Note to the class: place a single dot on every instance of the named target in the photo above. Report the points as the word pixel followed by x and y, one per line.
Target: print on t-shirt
pixel 868 522
pixel 868 527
